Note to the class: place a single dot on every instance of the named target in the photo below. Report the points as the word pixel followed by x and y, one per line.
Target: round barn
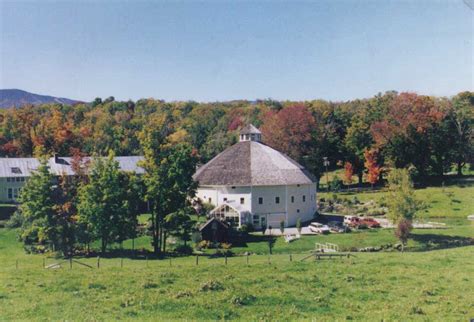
pixel 252 183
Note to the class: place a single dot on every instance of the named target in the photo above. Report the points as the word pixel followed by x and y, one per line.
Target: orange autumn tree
pixel 348 172
pixel 373 169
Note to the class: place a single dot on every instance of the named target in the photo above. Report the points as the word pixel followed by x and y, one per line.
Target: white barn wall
pixel 218 193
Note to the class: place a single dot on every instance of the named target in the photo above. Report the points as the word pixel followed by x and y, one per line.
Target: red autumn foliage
pixel 348 172
pixel 235 123
pixel 373 169
pixel 407 111
pixel 289 130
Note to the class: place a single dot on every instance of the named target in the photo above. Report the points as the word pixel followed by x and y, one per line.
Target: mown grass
pixel 450 202
pixel 435 285
pixel 434 280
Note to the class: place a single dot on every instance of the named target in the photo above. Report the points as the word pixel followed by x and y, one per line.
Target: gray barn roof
pixel 252 163
pixel 9 166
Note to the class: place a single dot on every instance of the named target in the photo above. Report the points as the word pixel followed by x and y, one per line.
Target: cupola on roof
pixel 250 133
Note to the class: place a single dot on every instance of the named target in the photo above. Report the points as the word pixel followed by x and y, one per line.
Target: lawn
pixel 435 285
pixel 448 203
pixel 433 280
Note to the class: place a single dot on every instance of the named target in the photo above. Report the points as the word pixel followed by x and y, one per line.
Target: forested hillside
pixel 430 134
pixel 17 98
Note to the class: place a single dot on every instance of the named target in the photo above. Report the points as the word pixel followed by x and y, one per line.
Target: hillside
pixel 16 98
pixel 435 285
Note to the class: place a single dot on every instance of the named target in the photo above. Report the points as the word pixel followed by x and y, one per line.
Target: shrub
pixel 298 225
pixel 226 246
pixel 403 231
pixel 335 185
pixel 15 221
pixel 203 244
pixel 196 237
pixel 246 228
pixel 184 249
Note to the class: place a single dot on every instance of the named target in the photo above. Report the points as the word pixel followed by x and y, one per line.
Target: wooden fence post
pixel 70 262
pixel 225 257
pixel 170 261
pixel 197 260
pixel 44 262
pixel 98 261
pixel 146 261
pixel 247 258
pixel 291 258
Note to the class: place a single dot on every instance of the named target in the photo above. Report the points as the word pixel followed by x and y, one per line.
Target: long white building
pixel 252 183
pixel 14 172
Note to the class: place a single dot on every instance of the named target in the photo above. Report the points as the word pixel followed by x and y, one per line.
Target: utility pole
pixel 326 164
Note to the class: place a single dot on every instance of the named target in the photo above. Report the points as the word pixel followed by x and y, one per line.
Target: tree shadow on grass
pixel 251 238
pixel 137 254
pixel 433 241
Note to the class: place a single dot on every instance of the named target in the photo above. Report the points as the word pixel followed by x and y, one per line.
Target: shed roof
pixel 223 224
pixel 251 163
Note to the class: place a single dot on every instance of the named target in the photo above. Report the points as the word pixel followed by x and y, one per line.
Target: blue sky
pixel 223 50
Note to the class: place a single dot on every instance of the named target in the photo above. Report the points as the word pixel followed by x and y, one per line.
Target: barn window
pixel 225 199
pixel 260 200
pixel 210 200
pixel 242 201
pixel 304 198
pixel 297 210
pixel 255 220
pixel 277 199
pixel 10 193
pixel 292 199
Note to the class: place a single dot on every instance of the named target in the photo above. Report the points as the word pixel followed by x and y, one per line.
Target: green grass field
pixel 448 203
pixel 433 280
pixel 435 285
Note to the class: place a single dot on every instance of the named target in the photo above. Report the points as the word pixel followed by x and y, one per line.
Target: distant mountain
pixel 16 98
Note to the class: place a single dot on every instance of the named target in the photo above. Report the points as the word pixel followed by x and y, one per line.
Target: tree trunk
pixel 154 233
pixel 360 175
pixel 164 241
pixel 104 245
pixel 459 166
